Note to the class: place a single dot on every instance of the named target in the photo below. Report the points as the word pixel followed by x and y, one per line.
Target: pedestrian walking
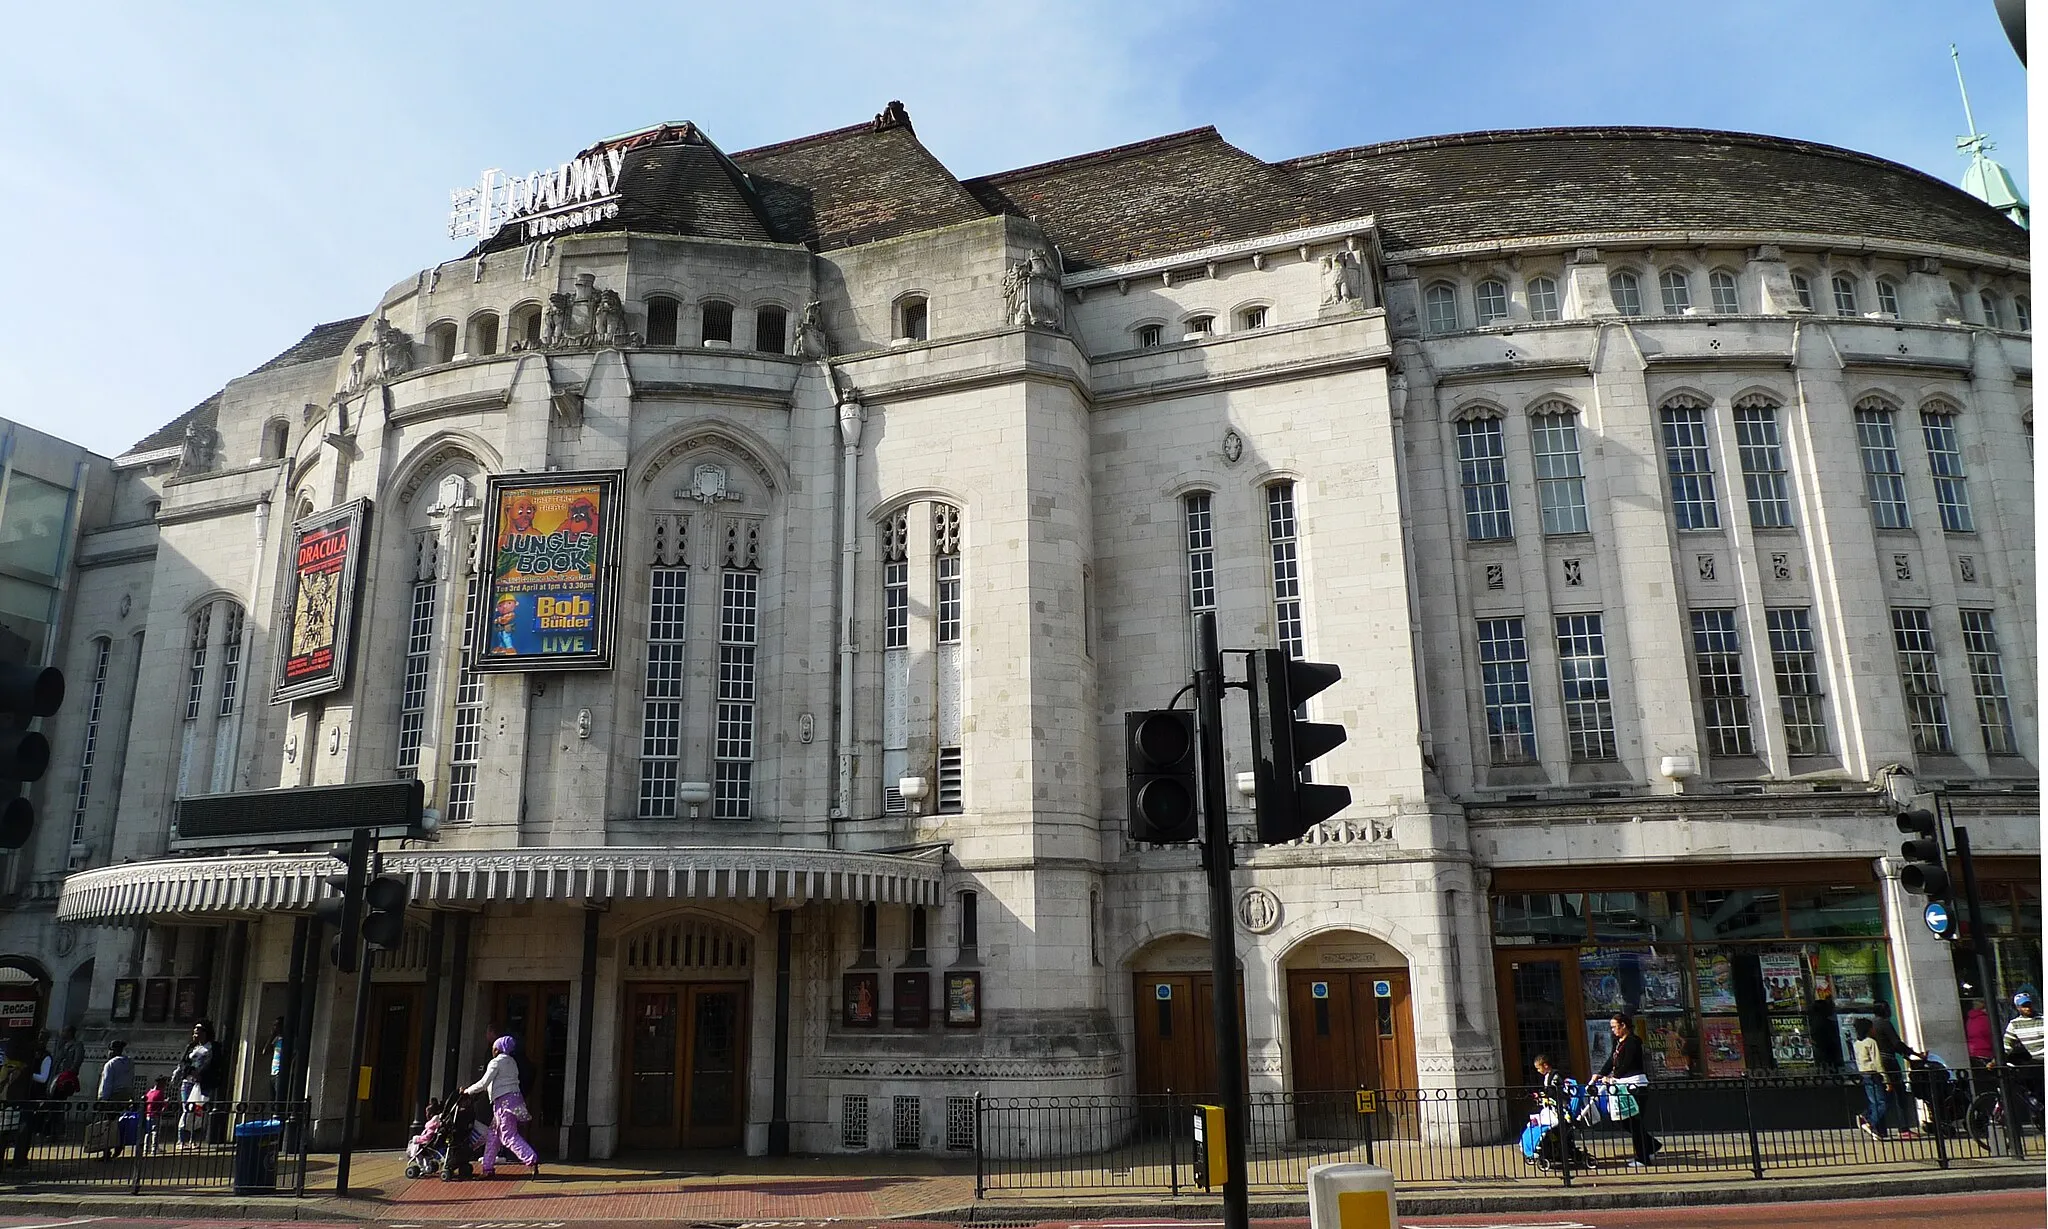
pixel 156 1111
pixel 500 1083
pixel 69 1051
pixel 1897 1057
pixel 1877 1081
pixel 276 1048
pixel 1979 1036
pixel 1624 1070
pixel 116 1087
pixel 195 1088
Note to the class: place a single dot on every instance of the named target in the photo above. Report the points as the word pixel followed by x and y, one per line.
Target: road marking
pixel 1547 1224
pixel 53 1224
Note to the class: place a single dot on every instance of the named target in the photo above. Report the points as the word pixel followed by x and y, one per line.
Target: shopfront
pixel 2010 890
pixel 1725 969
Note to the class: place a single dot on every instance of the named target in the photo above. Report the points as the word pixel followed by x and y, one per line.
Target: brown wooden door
pixel 684 1065
pixel 1351 1029
pixel 392 1053
pixel 1541 1010
pixel 1176 1033
pixel 536 1016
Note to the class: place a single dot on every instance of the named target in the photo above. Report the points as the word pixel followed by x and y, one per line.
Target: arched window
pixel 1483 475
pixel 1490 301
pixel 1543 303
pixel 2023 310
pixel 102 651
pixel 1627 291
pixel 1440 308
pixel 525 327
pixel 441 341
pixel 1196 327
pixel 717 324
pixel 661 320
pixel 1676 288
pixel 913 318
pixel 1253 317
pixel 483 335
pixel 440 701
pixel 771 329
pixel 1721 288
pixel 1802 286
pixel 1560 473
pixel 1150 335
pixel 213 659
pixel 1845 294
pixel 1992 315
pixel 1688 461
pixel 1945 462
pixel 1888 298
pixel 277 436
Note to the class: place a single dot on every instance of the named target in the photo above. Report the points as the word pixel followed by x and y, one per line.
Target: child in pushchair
pixel 1943 1095
pixel 427 1152
pixel 1558 1102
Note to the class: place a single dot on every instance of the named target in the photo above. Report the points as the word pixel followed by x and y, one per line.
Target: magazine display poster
pixel 1600 983
pixel 1716 978
pixel 1599 1043
pixel 320 602
pixel 1663 982
pixel 861 994
pixel 1667 1048
pixel 1846 1022
pixel 1721 1049
pixel 1784 977
pixel 1791 1043
pixel 963 1000
pixel 551 554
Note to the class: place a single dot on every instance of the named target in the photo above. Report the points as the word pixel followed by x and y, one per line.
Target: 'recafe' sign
pixel 576 193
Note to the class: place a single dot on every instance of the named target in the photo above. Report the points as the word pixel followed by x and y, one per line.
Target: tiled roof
pixel 674 181
pixel 1169 194
pixel 1479 186
pixel 325 341
pixel 856 185
pixel 172 433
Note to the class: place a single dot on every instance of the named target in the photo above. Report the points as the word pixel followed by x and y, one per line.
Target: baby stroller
pixel 1943 1095
pixel 1543 1144
pixel 427 1152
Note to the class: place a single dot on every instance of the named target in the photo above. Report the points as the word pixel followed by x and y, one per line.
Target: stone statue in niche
pixel 1340 279
pixel 1032 291
pixel 394 350
pixel 810 331
pixel 358 369
pixel 554 322
pixel 611 321
pixel 197 452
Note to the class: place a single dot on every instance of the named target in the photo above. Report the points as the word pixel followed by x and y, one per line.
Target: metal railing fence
pixel 1705 1128
pixel 83 1144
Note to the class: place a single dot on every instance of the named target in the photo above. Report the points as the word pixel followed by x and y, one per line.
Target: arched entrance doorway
pixel 1173 1009
pixel 1349 1027
pixel 683 1067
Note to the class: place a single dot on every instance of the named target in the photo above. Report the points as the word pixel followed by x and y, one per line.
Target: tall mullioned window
pixel 1440 308
pixel 1543 303
pixel 894 534
pixel 1690 465
pixel 200 627
pixel 1582 674
pixel 946 572
pixel 1504 676
pixel 1795 663
pixel 1628 293
pixel 1280 536
pixel 230 660
pixel 1490 301
pixel 465 747
pixel 950 794
pixel 1987 681
pixel 1727 299
pixel 1483 473
pixel 1560 474
pixel 1945 461
pixel 732 782
pixel 1724 700
pixel 1198 517
pixel 1884 479
pixel 661 705
pixel 1764 479
pixel 102 650
pixel 1920 680
pixel 416 676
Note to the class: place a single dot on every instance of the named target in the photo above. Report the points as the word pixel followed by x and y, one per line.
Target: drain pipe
pixel 851 416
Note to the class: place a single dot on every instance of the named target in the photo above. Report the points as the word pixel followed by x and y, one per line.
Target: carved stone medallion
pixel 1258 911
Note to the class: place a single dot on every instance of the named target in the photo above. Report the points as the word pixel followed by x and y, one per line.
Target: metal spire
pixel 1986 179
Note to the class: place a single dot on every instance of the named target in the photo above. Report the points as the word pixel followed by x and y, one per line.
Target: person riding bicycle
pixel 2026 1039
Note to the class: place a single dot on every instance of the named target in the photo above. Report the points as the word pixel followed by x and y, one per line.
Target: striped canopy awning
pixel 293 882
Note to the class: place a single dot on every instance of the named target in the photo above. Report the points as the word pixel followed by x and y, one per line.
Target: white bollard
pixel 1347 1196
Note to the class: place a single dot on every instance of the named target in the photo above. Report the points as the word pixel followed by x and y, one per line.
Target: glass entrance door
pixel 1539 1000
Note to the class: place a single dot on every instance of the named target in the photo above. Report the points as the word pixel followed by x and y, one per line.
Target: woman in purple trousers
pixel 500 1084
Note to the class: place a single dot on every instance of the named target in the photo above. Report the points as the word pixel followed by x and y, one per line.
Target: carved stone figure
pixel 1340 278
pixel 1031 290
pixel 583 307
pixel 610 320
pixel 357 368
pixel 199 445
pixel 394 350
pixel 810 331
pixel 554 322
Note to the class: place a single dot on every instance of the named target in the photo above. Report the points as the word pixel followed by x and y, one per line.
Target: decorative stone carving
pixel 945 529
pixel 1966 565
pixel 610 319
pixel 453 495
pixel 1902 566
pixel 1340 279
pixel 554 321
pixel 1574 573
pixel 708 486
pixel 586 318
pixel 1496 576
pixel 671 539
pixel 742 542
pixel 201 443
pixel 1781 565
pixel 1032 290
pixel 1258 911
pixel 1233 447
pixel 1706 566
pixel 810 331
pixel 358 369
pixel 394 350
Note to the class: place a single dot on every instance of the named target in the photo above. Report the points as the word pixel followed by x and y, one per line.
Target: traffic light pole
pixel 355 1041
pixel 1980 947
pixel 1209 687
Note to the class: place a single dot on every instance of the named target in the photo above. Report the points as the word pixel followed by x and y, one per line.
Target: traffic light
pixel 1283 745
pixel 1925 854
pixel 345 911
pixel 1159 773
pixel 384 901
pixel 26 693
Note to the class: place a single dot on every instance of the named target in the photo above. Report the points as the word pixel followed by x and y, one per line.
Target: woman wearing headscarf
pixel 500 1083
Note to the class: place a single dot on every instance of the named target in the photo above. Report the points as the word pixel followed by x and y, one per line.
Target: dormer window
pixel 718 325
pixel 1845 295
pixel 1627 292
pixel 1197 327
pixel 771 330
pixel 1677 291
pixel 1440 308
pixel 441 342
pixel 1803 287
pixel 1151 336
pixel 1543 303
pixel 1992 316
pixel 913 318
pixel 661 321
pixel 1252 318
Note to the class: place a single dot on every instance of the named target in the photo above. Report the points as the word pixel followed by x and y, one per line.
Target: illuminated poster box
pixel 549 571
pixel 320 601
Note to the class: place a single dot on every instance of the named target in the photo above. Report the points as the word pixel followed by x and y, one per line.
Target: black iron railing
pixel 250 1147
pixel 1732 1128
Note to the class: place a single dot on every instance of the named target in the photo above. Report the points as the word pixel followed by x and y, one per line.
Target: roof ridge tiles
pixel 1112 154
pixel 760 151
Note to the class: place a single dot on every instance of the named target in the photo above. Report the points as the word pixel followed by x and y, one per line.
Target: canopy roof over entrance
pixel 288 882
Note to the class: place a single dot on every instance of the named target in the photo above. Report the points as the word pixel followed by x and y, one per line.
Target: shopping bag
pixel 1547 1116
pixel 1589 1113
pixel 100 1135
pixel 1622 1104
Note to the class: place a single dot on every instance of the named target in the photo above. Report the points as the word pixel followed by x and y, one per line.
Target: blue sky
pixel 191 187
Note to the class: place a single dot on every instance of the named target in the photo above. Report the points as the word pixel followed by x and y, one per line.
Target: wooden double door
pixel 392 1052
pixel 684 1065
pixel 1351 1029
pixel 536 1016
pixel 1176 1025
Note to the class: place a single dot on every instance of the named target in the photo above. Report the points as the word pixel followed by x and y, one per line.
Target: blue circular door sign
pixel 1938 919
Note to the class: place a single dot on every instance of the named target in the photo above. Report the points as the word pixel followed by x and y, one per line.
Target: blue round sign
pixel 1938 919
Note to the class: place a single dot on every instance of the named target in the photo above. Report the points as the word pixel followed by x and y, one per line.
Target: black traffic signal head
pixel 1925 854
pixel 26 693
pixel 1283 746
pixel 344 911
pixel 384 901
pixel 1159 776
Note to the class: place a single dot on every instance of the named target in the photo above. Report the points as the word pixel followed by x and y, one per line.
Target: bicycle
pixel 1986 1119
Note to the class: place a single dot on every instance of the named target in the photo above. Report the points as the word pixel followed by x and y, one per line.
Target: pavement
pixel 808 1192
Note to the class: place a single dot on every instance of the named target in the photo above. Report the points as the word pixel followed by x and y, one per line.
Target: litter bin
pixel 256 1146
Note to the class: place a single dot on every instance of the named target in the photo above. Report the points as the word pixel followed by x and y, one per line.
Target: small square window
pixel 1150 335
pixel 1198 326
pixel 1252 318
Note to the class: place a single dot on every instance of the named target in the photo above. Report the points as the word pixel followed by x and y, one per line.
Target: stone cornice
pixel 1675 240
pixel 1239 249
pixel 1849 803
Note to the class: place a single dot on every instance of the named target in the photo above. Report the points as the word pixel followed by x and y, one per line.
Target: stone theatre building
pixel 1655 489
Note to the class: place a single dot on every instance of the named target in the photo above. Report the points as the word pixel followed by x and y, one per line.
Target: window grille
pixel 103 649
pixel 1920 679
pixel 952 780
pixel 1582 672
pixel 1628 293
pixel 661 708
pixel 661 322
pixel 230 660
pixel 1483 472
pixel 1987 681
pixel 1676 288
pixel 1721 287
pixel 1440 308
pixel 465 747
pixel 1560 473
pixel 1803 287
pixel 1504 676
pixel 771 330
pixel 1151 335
pixel 1543 305
pixel 1280 535
pixel 717 324
pixel 853 1121
pixel 195 669
pixel 1724 700
pixel 1888 298
pixel 1945 460
pixel 1490 297
pixel 1690 465
pixel 1845 295
pixel 732 784
pixel 1884 479
pixel 412 688
pixel 908 1123
pixel 959 1124
pixel 1764 479
pixel 1795 662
